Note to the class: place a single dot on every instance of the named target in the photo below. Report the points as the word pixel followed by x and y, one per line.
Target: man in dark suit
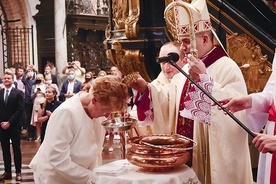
pixel 47 72
pixel 70 87
pixel 14 82
pixel 11 109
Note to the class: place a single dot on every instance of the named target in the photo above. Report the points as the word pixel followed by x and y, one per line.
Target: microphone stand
pixel 213 99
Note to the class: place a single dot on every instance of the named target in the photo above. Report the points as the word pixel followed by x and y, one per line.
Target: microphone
pixel 172 56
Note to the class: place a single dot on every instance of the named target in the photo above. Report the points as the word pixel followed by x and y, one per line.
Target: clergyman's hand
pixel 236 104
pixel 196 67
pixel 139 84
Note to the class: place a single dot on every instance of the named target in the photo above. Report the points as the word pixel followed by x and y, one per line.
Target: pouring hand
pixel 139 84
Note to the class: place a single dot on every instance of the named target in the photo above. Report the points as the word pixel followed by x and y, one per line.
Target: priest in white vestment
pixel 164 77
pixel 222 154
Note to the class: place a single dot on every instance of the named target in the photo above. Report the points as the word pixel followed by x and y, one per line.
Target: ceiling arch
pixel 16 13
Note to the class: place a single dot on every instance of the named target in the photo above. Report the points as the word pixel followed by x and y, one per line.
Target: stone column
pixel 60 38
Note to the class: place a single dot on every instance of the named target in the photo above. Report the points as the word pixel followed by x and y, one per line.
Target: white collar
pixel 8 89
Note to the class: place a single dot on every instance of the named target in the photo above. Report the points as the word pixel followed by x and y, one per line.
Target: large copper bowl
pixel 157 153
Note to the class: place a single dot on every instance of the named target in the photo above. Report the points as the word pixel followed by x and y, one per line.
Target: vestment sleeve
pixel 144 107
pixel 257 115
pixel 197 103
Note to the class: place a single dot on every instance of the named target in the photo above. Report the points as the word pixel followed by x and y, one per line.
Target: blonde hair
pixel 31 68
pixel 46 102
pixel 48 77
pixel 111 92
pixel 42 77
pixel 9 71
pixel 101 73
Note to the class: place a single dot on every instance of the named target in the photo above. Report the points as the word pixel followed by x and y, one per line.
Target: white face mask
pixel 70 77
pixel 48 82
pixel 30 74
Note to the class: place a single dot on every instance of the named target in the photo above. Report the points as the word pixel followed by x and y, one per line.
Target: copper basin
pixel 157 153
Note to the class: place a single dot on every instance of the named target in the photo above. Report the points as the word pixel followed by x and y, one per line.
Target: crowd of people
pixel 68 121
pixel 32 98
pixel 33 85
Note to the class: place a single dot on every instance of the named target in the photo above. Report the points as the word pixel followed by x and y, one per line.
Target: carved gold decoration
pixel 126 15
pixel 255 66
pixel 131 26
pixel 169 17
pixel 130 78
pixel 120 13
pixel 107 31
pixel 128 42
pixel 127 61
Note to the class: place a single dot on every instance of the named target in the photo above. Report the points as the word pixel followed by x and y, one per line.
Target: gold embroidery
pixel 182 120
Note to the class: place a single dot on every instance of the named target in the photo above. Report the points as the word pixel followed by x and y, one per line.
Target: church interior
pixel 127 34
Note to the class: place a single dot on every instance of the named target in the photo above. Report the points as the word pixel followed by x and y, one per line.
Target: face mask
pixel 37 81
pixel 30 74
pixel 87 79
pixel 70 77
pixel 48 82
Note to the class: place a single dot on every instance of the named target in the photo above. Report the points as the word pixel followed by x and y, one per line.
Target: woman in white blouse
pixel 74 137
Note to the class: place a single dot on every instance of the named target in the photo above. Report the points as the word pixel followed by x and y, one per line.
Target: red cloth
pixel 272 117
pixel 143 105
pixel 185 126
pixel 213 56
pixel 272 113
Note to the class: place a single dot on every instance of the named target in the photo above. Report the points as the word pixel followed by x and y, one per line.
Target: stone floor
pixel 29 149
